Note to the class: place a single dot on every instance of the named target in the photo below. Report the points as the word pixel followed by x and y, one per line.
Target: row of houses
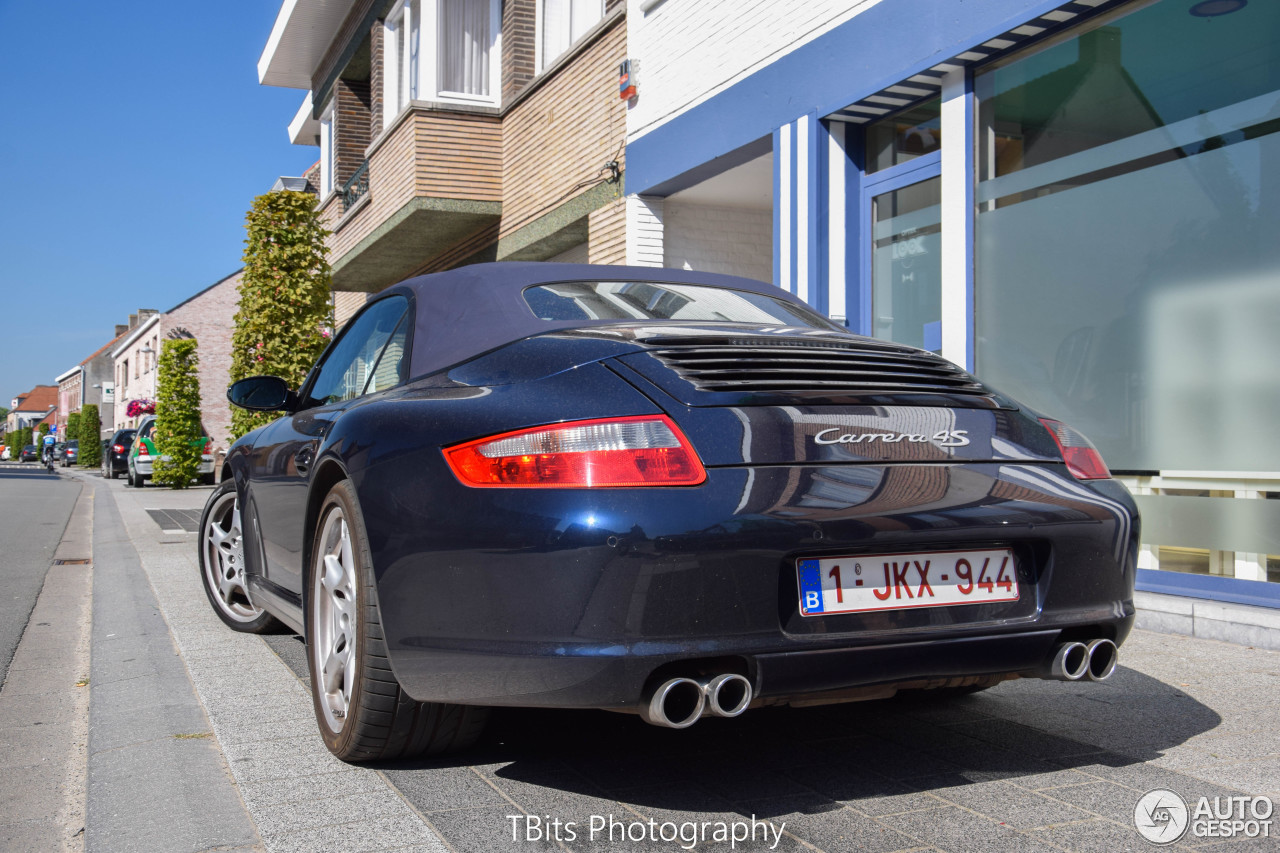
pixel 1073 198
pixel 120 376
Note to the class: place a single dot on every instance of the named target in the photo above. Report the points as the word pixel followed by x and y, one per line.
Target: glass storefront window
pixel 1125 250
pixel 904 136
pixel 906 268
pixel 1127 271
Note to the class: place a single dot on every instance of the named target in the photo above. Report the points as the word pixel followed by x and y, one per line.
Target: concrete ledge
pixel 1214 620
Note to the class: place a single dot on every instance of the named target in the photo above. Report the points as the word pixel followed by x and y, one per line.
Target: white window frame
pixel 328 141
pixel 397 77
pixel 540 61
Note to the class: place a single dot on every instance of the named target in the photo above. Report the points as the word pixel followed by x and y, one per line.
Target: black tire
pixel 221 553
pixel 367 716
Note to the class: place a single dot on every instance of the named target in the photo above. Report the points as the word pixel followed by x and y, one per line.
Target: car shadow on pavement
pixel 1024 754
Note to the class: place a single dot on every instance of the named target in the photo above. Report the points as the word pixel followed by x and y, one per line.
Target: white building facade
pixel 1073 200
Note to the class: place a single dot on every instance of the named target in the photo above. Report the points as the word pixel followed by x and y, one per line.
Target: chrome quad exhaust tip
pixel 1070 662
pixel 728 695
pixel 1103 658
pixel 676 704
pixel 1093 661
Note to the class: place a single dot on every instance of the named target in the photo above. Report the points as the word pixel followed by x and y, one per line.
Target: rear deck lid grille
pixel 771 365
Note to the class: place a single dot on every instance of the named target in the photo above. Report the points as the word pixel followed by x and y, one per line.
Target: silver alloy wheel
pixel 224 559
pixel 333 619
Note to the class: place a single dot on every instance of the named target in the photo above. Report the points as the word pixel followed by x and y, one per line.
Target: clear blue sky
pixel 133 138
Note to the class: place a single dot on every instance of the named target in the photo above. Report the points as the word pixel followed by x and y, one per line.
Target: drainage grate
pixel 72 562
pixel 176 520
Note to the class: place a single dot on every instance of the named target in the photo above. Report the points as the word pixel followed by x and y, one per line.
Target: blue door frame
pixel 886 180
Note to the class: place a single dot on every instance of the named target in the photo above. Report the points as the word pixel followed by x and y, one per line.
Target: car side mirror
pixel 262 394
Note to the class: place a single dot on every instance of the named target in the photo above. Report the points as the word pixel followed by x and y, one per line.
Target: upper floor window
pixel 444 50
pixel 560 23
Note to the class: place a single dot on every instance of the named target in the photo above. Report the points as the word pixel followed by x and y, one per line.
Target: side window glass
pixel 390 370
pixel 348 366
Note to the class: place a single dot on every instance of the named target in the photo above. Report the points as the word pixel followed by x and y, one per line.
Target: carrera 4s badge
pixel 945 438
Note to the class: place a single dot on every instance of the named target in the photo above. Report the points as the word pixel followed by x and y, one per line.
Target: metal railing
pixel 356 187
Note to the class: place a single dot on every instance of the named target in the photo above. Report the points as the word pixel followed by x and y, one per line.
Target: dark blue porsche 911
pixel 647 490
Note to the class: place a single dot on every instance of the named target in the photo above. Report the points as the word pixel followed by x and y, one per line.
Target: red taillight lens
pixel 117 448
pixel 1082 458
pixel 648 450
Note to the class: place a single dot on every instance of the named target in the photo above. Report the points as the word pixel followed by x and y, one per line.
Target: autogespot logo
pixel 1161 816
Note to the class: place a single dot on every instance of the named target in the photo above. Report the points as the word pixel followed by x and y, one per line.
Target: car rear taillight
pixel 648 450
pixel 1082 458
pixel 117 448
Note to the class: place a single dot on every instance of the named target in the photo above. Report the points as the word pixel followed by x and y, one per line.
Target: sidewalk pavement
pixel 276 768
pixel 204 739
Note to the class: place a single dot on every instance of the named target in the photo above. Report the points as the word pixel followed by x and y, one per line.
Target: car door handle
pixel 302 460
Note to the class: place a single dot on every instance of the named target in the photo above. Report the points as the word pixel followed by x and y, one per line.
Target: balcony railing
pixel 356 187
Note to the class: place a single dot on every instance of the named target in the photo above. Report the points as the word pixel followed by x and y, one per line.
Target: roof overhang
pixel 305 128
pixel 302 33
pixel 72 372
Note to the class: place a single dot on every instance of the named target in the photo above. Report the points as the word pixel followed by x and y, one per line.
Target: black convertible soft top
pixel 471 310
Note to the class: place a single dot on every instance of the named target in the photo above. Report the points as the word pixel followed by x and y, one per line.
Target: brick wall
pixel 518 45
pixel 607 233
pixel 564 132
pixel 680 66
pixel 210 317
pixel 732 240
pixel 345 305
pixel 429 153
pixel 351 121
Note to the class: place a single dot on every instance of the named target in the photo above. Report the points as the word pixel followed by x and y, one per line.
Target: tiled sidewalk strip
pixel 301 797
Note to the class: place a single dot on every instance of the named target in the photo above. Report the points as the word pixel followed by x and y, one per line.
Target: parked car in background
pixel 4 452
pixel 142 455
pixel 115 453
pixel 69 453
pixel 657 491
pixel 30 453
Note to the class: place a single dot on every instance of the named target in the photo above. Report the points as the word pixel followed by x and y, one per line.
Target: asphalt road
pixel 34 508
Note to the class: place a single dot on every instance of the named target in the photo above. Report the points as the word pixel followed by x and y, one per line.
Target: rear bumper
pixel 143 466
pixel 584 599
pixel 614 677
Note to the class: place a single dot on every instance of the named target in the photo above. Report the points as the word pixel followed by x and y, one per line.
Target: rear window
pixel 651 300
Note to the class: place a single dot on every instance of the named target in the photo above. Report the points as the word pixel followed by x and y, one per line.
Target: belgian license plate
pixel 900 581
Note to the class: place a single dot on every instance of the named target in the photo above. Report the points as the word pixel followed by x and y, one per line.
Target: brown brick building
pixel 457 131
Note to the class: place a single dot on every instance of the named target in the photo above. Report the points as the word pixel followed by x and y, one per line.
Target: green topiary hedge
pixel 284 318
pixel 178 435
pixel 90 437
